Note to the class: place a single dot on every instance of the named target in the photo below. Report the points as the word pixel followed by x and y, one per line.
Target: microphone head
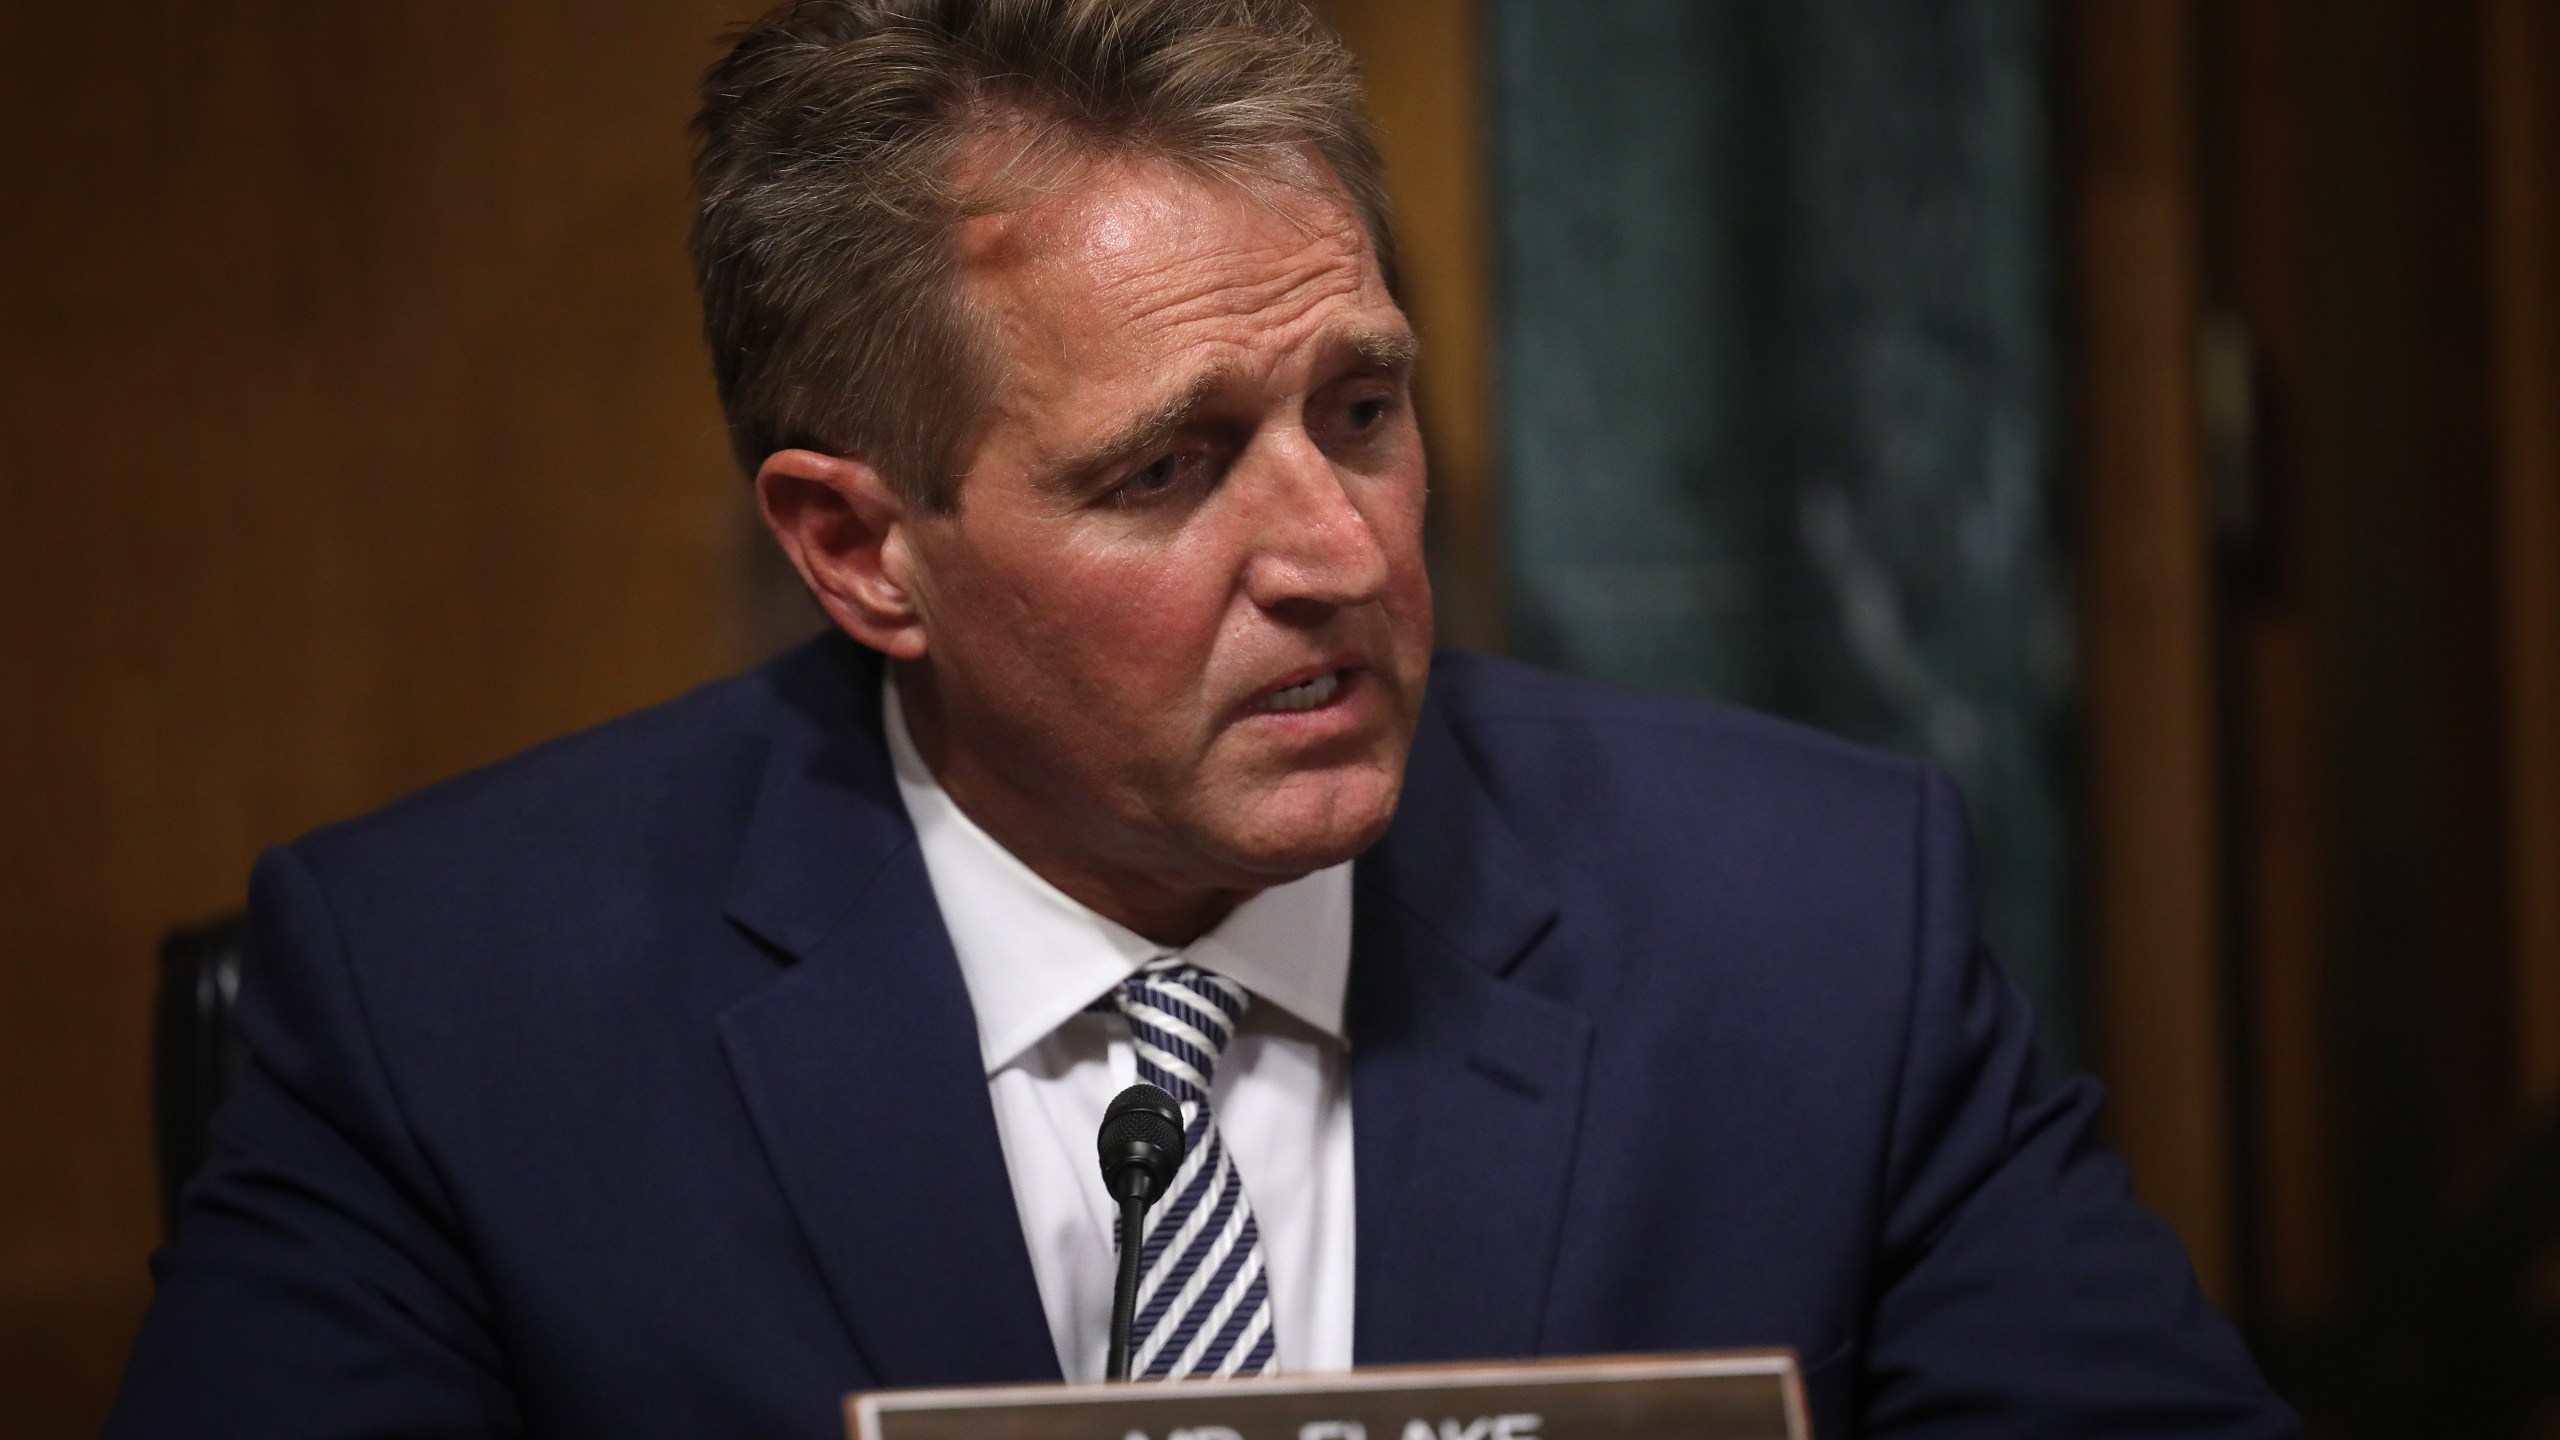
pixel 1141 1143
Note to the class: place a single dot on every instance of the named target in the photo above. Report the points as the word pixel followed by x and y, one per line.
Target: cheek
pixel 1403 528
pixel 1127 622
pixel 1394 511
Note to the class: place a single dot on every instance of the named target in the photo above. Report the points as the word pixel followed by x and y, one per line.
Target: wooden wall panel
pixel 2154 892
pixel 2521 48
pixel 1424 62
pixel 355 431
pixel 2277 764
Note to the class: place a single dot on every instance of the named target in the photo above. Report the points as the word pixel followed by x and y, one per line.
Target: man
pixel 679 1077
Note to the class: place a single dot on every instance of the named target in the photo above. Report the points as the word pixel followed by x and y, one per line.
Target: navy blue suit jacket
pixel 629 1088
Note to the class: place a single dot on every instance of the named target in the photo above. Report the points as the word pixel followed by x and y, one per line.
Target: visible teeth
pixel 1306 696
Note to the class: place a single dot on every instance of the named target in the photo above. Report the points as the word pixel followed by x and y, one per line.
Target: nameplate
pixel 1731 1395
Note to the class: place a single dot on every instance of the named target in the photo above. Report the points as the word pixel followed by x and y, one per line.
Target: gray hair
pixel 827 187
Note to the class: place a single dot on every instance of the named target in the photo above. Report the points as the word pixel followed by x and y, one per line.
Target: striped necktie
pixel 1204 1304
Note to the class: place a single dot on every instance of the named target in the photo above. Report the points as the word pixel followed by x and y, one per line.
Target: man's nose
pixel 1312 545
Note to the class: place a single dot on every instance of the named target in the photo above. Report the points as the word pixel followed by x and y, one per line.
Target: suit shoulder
pixel 580 798
pixel 1516 719
pixel 589 770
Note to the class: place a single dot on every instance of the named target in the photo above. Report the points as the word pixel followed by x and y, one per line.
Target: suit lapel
pixel 1466 1084
pixel 859 1063
pixel 860 1069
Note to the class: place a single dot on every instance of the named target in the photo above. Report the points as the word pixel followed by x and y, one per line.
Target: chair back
pixel 196 1051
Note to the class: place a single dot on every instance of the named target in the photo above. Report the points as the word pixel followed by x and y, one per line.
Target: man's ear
pixel 846 530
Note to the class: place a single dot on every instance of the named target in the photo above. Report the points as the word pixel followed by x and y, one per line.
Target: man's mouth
pixel 1305 695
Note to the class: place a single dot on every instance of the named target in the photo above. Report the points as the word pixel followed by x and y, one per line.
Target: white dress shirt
pixel 1033 959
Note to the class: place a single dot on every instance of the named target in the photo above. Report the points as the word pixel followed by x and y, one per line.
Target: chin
pixel 1306 827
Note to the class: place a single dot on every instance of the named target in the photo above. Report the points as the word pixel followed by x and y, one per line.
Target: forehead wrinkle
pixel 1393 351
pixel 1292 271
pixel 1238 295
pixel 1233 287
pixel 1278 308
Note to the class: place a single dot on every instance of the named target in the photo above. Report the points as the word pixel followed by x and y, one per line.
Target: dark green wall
pixel 1782 417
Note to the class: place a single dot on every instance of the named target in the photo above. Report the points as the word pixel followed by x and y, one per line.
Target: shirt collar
pixel 1033 958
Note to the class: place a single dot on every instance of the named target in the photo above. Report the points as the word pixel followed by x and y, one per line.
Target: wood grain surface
pixel 355 432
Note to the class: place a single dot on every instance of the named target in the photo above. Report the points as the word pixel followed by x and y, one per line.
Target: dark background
pixel 2149 409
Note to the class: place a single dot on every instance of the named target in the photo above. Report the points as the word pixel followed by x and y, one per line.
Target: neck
pixel 1171 913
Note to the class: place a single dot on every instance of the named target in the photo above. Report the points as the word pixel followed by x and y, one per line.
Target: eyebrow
pixel 1390 351
pixel 1393 351
pixel 1142 433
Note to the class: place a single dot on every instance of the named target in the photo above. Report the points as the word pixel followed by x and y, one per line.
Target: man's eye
pixel 1362 417
pixel 1151 480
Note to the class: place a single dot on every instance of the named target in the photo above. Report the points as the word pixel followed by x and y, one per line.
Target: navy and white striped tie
pixel 1204 1303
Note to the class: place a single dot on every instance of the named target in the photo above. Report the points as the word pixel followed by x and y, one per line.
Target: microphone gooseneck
pixel 1141 1145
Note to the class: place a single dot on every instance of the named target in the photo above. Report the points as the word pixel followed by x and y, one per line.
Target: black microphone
pixel 1141 1144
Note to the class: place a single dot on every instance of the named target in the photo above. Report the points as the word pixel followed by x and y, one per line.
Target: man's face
pixel 1178 628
